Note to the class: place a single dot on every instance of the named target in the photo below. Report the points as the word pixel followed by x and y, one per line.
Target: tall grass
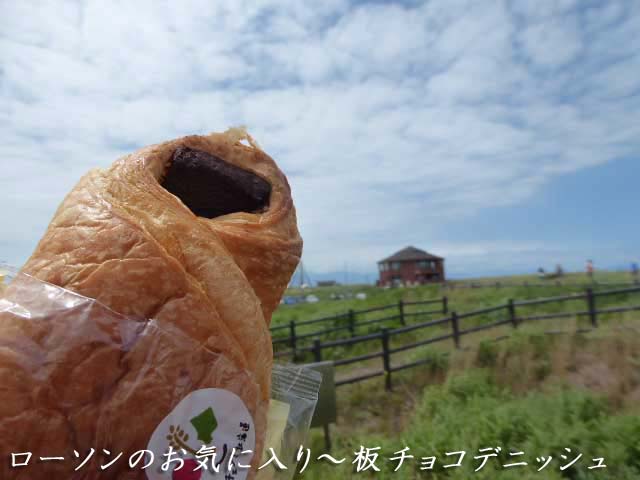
pixel 533 393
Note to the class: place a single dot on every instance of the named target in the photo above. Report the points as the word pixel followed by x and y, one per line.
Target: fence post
pixel 352 321
pixel 512 313
pixel 293 339
pixel 591 305
pixel 456 329
pixel 385 359
pixel 401 309
pixel 317 350
pixel 445 304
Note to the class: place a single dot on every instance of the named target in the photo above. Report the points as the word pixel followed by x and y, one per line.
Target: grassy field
pixel 534 393
pixel 460 300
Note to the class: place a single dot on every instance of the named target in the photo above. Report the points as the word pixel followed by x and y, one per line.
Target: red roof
pixel 409 254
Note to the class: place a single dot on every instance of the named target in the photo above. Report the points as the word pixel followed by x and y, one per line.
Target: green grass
pixel 460 299
pixel 533 393
pixel 327 307
pixel 470 412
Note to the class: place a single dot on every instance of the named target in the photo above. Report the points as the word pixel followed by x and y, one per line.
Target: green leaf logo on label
pixel 210 417
pixel 205 424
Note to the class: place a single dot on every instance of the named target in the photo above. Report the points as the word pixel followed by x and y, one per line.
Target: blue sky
pixel 503 135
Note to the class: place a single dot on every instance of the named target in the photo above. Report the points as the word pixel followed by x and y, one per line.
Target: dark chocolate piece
pixel 211 187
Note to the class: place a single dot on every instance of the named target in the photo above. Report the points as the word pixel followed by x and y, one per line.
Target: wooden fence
pixel 544 283
pixel 454 331
pixel 294 338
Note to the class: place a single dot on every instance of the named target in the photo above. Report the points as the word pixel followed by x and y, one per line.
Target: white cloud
pixel 541 9
pixel 383 115
pixel 552 43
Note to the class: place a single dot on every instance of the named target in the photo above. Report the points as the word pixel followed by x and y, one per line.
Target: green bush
pixel 487 354
pixel 470 412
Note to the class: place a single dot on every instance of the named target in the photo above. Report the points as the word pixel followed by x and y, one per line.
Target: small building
pixel 327 283
pixel 411 266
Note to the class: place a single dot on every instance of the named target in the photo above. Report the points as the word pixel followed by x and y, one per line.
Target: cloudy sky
pixel 503 135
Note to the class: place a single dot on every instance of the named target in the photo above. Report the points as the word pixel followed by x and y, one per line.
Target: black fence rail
pixel 450 329
pixel 350 322
pixel 542 283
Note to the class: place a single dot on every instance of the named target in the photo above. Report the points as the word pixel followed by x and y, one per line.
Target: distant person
pixel 634 271
pixel 559 270
pixel 589 269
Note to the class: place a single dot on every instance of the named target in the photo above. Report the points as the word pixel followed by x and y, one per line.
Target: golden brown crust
pixel 121 238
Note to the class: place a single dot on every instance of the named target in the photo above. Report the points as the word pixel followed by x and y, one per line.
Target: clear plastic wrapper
pixel 294 394
pixel 87 393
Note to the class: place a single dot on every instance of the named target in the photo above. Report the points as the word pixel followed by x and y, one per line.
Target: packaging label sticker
pixel 210 426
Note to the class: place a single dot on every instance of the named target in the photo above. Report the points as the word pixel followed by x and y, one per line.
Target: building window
pixel 423 264
pixel 395 265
